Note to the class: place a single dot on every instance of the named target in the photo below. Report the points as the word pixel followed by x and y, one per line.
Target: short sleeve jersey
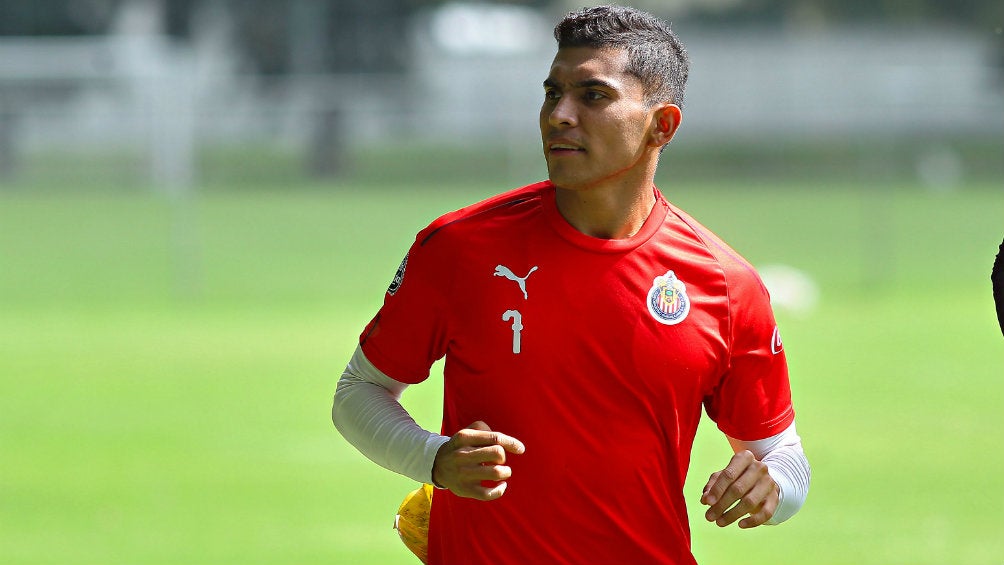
pixel 598 355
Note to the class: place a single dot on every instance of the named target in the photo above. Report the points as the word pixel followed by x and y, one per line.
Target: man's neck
pixel 606 213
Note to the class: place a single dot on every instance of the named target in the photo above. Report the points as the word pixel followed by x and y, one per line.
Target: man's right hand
pixel 473 455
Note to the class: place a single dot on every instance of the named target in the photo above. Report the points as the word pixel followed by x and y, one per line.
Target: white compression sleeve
pixel 787 465
pixel 367 413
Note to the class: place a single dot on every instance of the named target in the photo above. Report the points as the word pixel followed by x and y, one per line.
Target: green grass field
pixel 166 371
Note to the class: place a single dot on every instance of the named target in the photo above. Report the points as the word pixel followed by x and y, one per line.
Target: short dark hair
pixel 655 54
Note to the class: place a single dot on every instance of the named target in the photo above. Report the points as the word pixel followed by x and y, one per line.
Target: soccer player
pixel 585 323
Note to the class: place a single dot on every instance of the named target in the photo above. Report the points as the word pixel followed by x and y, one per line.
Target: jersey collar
pixel 600 245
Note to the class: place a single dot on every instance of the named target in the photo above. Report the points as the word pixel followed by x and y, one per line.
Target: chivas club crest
pixel 667 299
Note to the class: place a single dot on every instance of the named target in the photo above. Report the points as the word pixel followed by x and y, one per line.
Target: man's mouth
pixel 564 148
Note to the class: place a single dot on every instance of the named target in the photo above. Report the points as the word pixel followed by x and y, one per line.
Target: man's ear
pixel 665 121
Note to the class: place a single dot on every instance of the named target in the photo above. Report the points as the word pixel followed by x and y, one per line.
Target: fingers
pixel 479 433
pixel 743 487
pixel 472 462
pixel 753 503
pixel 761 515
pixel 488 455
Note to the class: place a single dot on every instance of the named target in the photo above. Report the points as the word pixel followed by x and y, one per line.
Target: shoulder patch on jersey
pixel 667 299
pixel 398 277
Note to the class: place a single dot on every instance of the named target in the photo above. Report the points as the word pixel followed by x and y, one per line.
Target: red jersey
pixel 598 355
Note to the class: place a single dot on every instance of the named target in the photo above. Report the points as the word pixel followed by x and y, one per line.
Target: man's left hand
pixel 743 487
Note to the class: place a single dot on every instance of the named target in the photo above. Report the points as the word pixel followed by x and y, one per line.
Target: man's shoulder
pixel 487 210
pixel 736 268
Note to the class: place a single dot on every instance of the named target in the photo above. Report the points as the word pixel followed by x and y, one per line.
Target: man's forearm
pixel 367 413
pixel 787 465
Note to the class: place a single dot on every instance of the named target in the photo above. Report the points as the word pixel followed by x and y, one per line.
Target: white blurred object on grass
pixel 791 289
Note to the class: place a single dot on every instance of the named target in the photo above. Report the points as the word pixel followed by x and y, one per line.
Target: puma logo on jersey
pixel 503 271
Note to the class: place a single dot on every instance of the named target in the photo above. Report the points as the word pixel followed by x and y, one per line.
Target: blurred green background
pixel 166 399
pixel 202 203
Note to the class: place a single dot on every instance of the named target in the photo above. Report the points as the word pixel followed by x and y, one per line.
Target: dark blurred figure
pixel 997 278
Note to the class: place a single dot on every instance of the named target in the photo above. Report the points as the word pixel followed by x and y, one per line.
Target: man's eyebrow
pixel 588 83
pixel 593 82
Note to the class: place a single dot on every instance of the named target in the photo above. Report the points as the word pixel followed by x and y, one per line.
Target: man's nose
pixel 562 114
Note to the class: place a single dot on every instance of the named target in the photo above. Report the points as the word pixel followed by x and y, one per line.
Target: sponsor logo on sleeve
pixel 775 342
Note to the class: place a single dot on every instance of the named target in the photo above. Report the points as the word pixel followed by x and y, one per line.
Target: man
pixel 585 322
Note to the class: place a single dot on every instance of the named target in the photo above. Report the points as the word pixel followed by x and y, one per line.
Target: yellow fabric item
pixel 412 521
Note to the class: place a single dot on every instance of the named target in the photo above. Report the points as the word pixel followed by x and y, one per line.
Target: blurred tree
pixel 57 17
pixel 986 17
pixel 370 30
pixel 178 17
pixel 281 36
pixel 984 14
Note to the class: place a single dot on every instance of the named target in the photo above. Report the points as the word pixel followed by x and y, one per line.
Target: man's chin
pixel 562 179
